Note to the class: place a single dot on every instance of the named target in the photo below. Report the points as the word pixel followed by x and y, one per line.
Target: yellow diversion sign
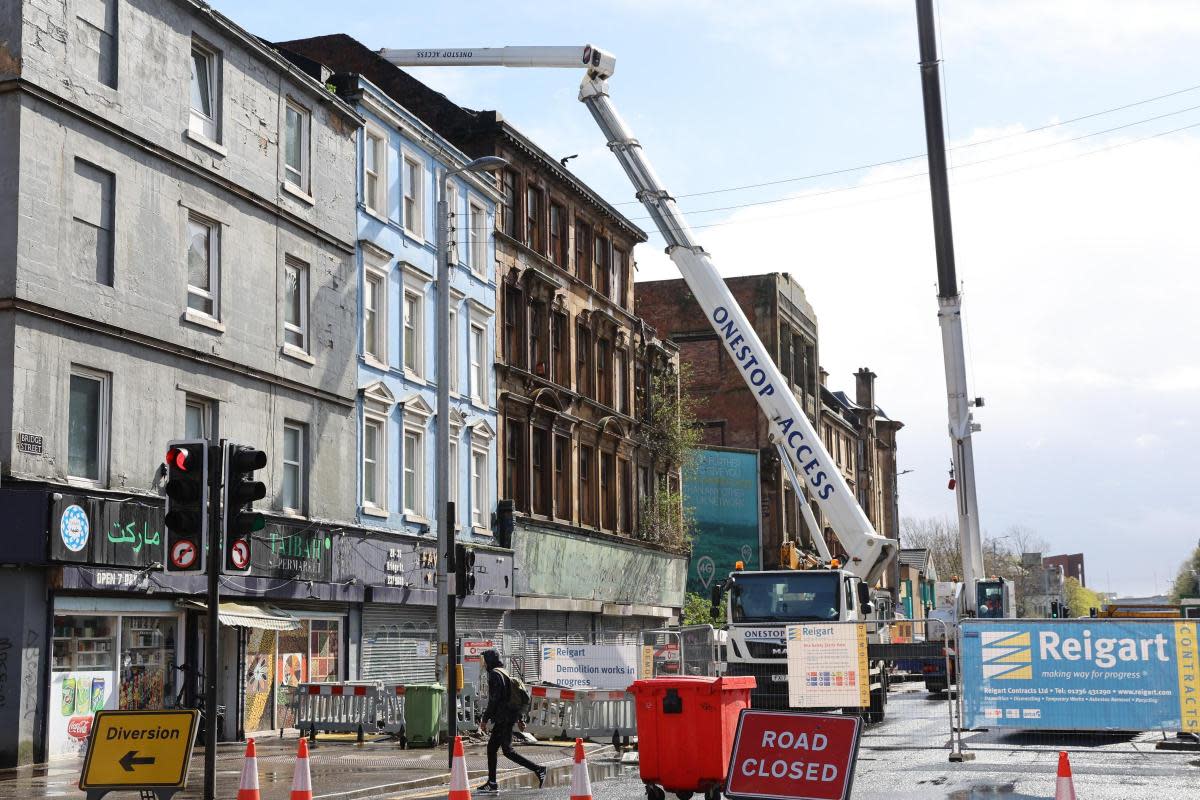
pixel 138 749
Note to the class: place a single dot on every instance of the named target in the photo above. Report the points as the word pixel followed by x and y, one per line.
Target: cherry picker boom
pixel 868 553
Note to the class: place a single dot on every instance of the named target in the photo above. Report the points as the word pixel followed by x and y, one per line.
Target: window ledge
pixel 291 351
pixel 298 193
pixel 478 531
pixel 413 377
pixel 411 234
pixel 371 361
pixel 375 214
pixel 206 143
pixel 203 320
pixel 416 519
pixel 373 511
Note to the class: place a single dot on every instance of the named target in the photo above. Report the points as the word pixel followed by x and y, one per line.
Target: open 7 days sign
pixel 790 755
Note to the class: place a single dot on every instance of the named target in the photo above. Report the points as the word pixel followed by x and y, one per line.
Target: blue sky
pixel 1077 254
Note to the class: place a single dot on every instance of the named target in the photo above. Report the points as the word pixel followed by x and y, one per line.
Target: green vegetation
pixel 1186 581
pixel 696 611
pixel 1081 599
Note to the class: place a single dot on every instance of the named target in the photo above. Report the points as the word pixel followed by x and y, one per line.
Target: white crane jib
pixel 868 552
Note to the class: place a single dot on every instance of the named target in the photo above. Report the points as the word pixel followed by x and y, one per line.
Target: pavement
pixel 341 769
pixel 903 758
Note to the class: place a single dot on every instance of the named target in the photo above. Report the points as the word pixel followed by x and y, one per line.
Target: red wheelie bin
pixel 685 730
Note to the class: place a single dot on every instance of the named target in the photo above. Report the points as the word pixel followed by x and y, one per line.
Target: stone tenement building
pixel 859 437
pixel 573 375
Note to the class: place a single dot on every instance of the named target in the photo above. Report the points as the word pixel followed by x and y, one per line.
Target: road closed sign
pixel 138 750
pixel 788 755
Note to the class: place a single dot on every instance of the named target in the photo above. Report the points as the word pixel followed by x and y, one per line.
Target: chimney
pixel 824 376
pixel 864 388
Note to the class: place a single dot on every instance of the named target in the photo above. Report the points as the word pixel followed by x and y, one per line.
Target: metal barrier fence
pixel 556 712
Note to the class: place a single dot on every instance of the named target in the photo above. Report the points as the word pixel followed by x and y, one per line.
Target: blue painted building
pixel 398 368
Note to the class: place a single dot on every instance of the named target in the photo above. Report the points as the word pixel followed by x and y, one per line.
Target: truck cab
pixel 761 604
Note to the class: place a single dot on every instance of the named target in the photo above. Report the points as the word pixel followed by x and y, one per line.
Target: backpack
pixel 518 695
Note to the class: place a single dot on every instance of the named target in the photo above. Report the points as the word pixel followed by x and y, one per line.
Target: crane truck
pixel 829 590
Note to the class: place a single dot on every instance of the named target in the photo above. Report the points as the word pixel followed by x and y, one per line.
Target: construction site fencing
pixel 565 713
pixel 339 708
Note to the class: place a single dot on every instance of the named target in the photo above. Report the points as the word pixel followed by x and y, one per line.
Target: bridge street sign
pixel 139 750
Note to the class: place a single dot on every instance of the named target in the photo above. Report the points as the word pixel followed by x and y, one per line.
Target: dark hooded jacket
pixel 498 690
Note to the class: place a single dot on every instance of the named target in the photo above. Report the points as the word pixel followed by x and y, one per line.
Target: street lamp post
pixel 444 515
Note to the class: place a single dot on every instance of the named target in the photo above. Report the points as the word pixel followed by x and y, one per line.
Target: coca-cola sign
pixel 79 727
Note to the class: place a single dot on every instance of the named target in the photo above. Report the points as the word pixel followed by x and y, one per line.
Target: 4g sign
pixel 786 755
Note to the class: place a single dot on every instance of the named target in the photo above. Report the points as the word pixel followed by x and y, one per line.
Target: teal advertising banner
pixel 721 488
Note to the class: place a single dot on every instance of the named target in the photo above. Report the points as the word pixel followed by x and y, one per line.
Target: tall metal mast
pixel 949 306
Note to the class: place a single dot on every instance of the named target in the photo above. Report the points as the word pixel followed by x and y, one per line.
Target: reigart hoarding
pixel 721 488
pixel 590 666
pixel 1090 674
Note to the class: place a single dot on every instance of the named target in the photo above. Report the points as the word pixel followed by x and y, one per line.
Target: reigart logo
pixel 1007 655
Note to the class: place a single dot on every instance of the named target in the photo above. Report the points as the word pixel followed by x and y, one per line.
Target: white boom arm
pixel 868 552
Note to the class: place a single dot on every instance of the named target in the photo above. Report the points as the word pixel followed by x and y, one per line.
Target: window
pixel 93 213
pixel 534 239
pixel 374 319
pixel 601 266
pixel 603 372
pixel 621 271
pixel 87 425
pixel 784 359
pixel 540 457
pixel 562 477
pixel 452 489
pixel 537 339
pixel 412 332
pixel 583 251
pixel 414 468
pixel 560 367
pixel 198 418
pixel 620 386
pixel 295 148
pixel 479 488
pixel 477 239
pixel 625 523
pixel 507 218
pixel 639 389
pixel 206 92
pixel 295 303
pixel 325 645
pixel 374 470
pixel 583 361
pixel 204 271
pixel 293 467
pixel 452 356
pixel 587 502
pixel 478 365
pixel 514 463
pixel 452 227
pixel 96 37
pixel 374 172
pixel 558 234
pixel 414 190
pixel 514 325
pixel 608 492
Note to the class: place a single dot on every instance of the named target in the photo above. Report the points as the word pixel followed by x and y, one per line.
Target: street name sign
pixel 148 750
pixel 793 755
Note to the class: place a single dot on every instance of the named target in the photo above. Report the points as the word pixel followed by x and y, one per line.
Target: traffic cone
pixel 581 782
pixel 1065 787
pixel 459 790
pixel 302 778
pixel 248 787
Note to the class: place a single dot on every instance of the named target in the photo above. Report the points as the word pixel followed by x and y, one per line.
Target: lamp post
pixel 444 517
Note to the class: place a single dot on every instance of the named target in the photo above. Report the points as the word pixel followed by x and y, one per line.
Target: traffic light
pixel 1054 609
pixel 464 571
pixel 186 519
pixel 240 491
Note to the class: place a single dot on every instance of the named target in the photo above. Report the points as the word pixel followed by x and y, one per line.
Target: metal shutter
pixel 399 643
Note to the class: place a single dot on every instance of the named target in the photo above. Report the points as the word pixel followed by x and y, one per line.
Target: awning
pixel 237 615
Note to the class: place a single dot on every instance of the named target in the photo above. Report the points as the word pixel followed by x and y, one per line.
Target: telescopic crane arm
pixel 868 552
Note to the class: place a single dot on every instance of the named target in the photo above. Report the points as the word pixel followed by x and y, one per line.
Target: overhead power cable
pixel 964 146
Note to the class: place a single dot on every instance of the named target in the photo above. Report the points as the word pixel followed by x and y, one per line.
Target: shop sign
pixel 138 750
pixel 791 755
pixel 91 530
pixel 283 551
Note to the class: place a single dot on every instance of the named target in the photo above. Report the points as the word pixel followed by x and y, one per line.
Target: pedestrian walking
pixel 506 701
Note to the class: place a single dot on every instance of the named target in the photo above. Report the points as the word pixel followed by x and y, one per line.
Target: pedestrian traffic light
pixel 186 518
pixel 464 571
pixel 237 506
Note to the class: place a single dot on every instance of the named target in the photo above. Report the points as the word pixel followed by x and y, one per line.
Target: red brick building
pixel 1072 565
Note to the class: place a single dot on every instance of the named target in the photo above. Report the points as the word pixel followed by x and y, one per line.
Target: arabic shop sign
pixel 285 551
pixel 90 530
